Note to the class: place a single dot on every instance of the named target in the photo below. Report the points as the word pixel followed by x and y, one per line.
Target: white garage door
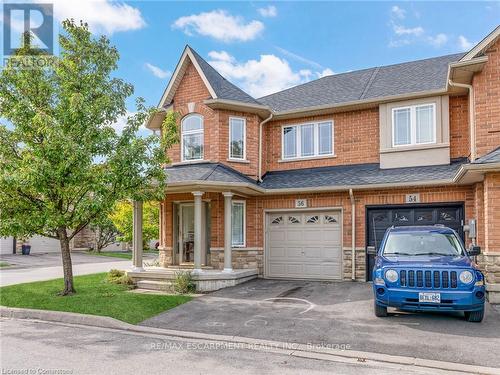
pixel 304 245
pixel 41 244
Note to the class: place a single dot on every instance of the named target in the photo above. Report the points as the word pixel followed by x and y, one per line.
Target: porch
pixel 189 242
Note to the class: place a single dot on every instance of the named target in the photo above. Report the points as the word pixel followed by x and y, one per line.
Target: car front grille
pixel 428 279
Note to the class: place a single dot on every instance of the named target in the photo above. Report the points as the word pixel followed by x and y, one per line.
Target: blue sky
pixel 267 46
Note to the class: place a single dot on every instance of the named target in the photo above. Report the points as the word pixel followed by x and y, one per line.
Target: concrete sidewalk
pixel 26 275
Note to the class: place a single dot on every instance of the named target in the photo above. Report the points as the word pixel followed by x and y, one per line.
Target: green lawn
pixel 4 264
pixel 94 296
pixel 114 254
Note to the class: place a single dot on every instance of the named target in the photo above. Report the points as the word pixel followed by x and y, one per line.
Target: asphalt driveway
pixel 335 315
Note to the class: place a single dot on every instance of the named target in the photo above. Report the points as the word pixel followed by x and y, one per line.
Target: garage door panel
pixel 304 245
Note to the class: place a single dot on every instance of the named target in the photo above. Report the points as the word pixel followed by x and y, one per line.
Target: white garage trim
pixel 267 214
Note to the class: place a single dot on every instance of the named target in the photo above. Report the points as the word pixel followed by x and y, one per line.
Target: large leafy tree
pixel 62 164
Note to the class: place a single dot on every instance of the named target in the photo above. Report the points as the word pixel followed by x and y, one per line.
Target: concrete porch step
pixel 164 286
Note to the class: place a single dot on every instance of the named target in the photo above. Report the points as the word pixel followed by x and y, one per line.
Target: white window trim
pixel 298 142
pixel 244 223
pixel 413 124
pixel 244 158
pixel 193 132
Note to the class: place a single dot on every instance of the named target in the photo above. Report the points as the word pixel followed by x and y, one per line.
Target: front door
pixel 186 233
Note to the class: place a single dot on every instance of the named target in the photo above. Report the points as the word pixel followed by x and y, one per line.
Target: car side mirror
pixel 474 250
pixel 370 250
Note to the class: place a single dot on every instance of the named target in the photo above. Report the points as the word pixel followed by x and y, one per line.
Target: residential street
pixel 87 350
pixel 48 266
pixel 335 313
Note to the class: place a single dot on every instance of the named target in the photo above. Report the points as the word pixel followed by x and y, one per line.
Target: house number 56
pixel 300 203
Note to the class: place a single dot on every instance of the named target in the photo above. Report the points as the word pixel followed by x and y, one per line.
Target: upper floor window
pixel 414 125
pixel 192 137
pixel 307 140
pixel 237 138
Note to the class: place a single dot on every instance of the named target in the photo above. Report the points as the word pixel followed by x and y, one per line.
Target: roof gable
pixel 483 45
pixel 218 86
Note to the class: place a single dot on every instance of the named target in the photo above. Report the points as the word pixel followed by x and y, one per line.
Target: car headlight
pixel 466 277
pixel 391 276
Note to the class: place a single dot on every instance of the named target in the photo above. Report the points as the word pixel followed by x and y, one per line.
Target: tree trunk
pixel 66 260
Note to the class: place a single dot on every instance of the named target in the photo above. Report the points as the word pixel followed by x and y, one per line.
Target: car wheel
pixel 380 311
pixel 474 316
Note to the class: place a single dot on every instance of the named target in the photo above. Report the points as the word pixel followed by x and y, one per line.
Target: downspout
pixel 260 145
pixel 353 235
pixel 472 124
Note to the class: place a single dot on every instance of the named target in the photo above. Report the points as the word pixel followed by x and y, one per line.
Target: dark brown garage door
pixel 379 218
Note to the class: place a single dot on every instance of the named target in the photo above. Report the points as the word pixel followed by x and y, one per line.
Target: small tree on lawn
pixel 105 233
pixel 122 219
pixel 62 165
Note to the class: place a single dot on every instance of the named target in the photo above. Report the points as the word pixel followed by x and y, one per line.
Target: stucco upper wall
pixel 487 102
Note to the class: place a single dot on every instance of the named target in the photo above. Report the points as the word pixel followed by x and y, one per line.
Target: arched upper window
pixel 192 137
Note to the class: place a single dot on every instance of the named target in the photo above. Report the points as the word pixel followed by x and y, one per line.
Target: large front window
pixel 422 243
pixel 414 125
pixel 238 224
pixel 192 137
pixel 237 138
pixel 308 140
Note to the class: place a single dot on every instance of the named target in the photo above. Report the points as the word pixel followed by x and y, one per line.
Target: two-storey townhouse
pixel 301 183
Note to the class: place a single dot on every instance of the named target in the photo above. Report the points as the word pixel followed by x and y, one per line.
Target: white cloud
pixel 121 123
pixel 299 58
pixel 401 30
pixel 464 43
pixel 394 43
pixel 269 11
pixel 220 25
pixel 103 16
pixel 264 76
pixel 438 40
pixel 324 73
pixel 157 72
pixel 398 12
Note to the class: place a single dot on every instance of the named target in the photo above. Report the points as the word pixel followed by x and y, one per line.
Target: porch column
pixel 228 204
pixel 197 230
pixel 137 236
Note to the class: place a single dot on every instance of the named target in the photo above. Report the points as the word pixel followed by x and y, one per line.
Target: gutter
pixel 353 235
pixel 259 175
pixel 472 124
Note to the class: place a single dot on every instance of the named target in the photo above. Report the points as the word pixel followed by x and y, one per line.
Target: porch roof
pixel 491 157
pixel 360 175
pixel 322 178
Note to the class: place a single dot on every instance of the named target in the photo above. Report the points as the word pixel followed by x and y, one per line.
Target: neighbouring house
pixel 300 183
pixel 84 240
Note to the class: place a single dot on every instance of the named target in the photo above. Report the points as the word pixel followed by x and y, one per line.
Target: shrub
pixel 119 277
pixel 183 282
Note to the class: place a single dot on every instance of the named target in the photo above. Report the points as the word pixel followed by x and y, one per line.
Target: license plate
pixel 429 297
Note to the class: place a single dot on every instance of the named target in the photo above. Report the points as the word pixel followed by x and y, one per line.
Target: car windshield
pixel 422 243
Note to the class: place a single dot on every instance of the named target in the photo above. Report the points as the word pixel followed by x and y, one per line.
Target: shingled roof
pixel 336 176
pixel 358 175
pixel 491 157
pixel 374 83
pixel 222 87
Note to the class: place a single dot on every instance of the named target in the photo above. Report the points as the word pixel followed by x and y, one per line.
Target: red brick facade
pixel 356 140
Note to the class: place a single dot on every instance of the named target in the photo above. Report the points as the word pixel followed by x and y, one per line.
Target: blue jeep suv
pixel 427 268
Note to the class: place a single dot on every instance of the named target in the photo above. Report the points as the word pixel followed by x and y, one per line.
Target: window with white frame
pixel 414 125
pixel 237 138
pixel 307 140
pixel 192 137
pixel 238 224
